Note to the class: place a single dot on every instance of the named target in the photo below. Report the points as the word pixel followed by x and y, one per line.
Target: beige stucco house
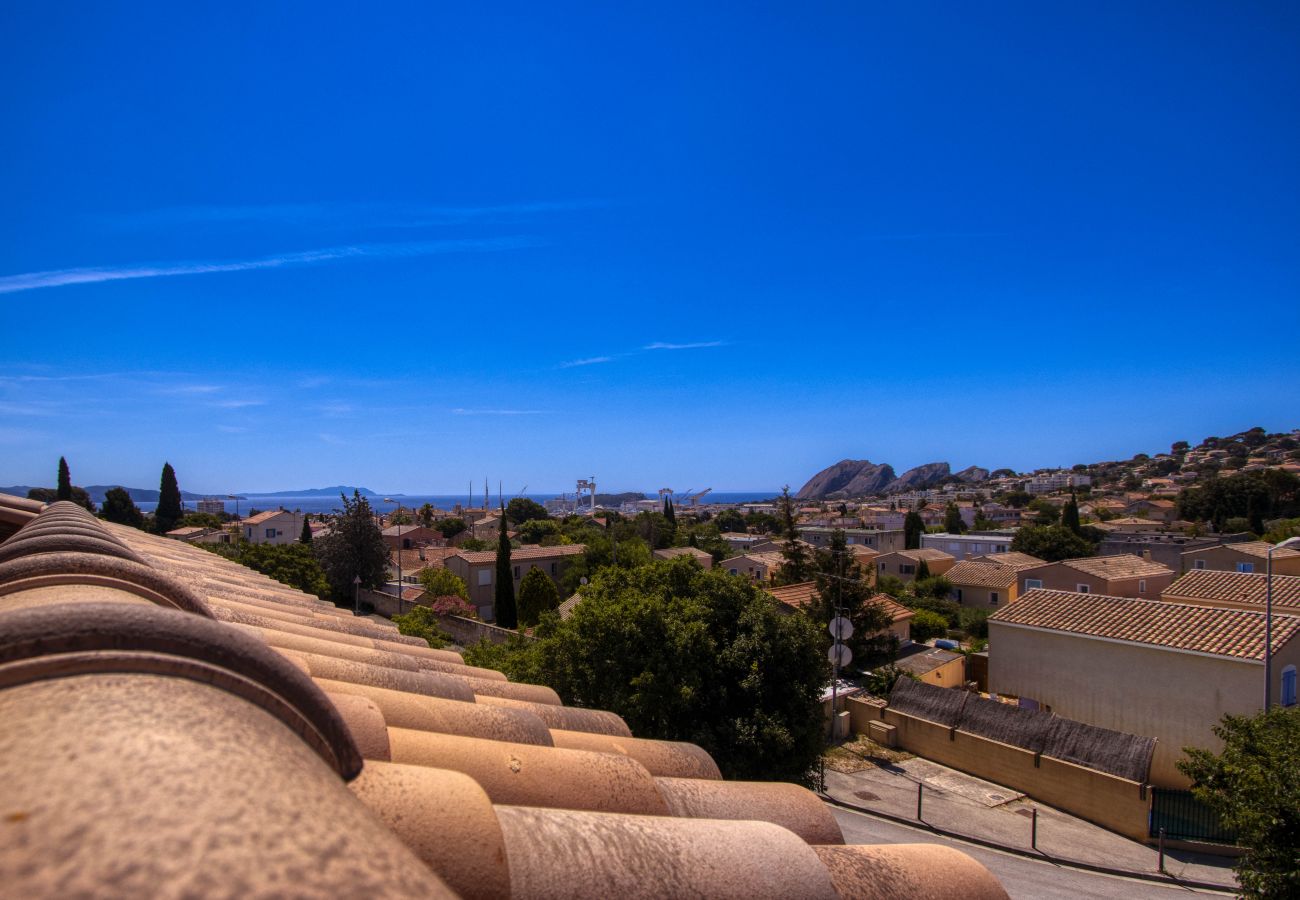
pixel 1165 670
pixel 904 563
pixel 704 558
pixel 1121 575
pixel 275 526
pixel 1248 557
pixel 982 585
pixel 478 570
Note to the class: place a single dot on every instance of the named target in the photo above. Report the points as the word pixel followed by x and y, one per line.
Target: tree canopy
pixel 168 514
pixel 537 595
pixel 952 520
pixel 687 654
pixel 798 561
pixel 120 508
pixel 1051 543
pixel 1252 784
pixel 449 528
pixel 521 509
pixel 913 528
pixel 305 537
pixel 440 582
pixel 1254 496
pixel 843 586
pixel 291 564
pixel 353 547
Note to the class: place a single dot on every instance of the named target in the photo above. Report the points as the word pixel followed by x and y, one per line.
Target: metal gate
pixel 1184 818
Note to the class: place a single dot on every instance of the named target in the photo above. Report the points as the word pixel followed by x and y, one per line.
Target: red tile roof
pixel 478 557
pixel 1236 633
pixel 977 573
pixel 1235 587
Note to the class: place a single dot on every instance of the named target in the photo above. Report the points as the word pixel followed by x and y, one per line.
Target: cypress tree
pixel 922 570
pixel 913 528
pixel 504 596
pixel 1070 514
pixel 305 537
pixel 65 481
pixel 669 512
pixel 168 514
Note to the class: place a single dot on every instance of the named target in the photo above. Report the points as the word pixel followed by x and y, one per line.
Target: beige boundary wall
pixel 1106 800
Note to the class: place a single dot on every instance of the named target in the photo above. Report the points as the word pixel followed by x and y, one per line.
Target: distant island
pixel 315 492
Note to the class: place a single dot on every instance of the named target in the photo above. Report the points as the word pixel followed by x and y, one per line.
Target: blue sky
pixel 681 245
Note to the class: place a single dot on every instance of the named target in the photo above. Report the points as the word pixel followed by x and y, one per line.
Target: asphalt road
pixel 1023 878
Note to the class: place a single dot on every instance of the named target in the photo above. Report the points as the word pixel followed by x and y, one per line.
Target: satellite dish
pixel 839 655
pixel 840 628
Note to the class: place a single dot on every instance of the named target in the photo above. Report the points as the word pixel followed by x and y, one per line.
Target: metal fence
pixel 1184 818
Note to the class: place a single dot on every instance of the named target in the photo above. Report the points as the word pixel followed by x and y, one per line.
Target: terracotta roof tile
pixel 1234 587
pixel 1235 633
pixel 478 557
pixel 1121 565
pixel 977 573
pixel 1258 549
pixel 1014 559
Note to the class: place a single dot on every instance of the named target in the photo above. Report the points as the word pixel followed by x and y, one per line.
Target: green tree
pixel 451 527
pixel 1253 785
pixel 521 510
pixel 353 548
pixel 537 594
pixel 305 537
pixel 952 520
pixel 688 654
pixel 168 514
pixel 504 592
pixel 440 582
pixel 64 490
pixel 1051 543
pixel 913 528
pixel 120 508
pixel 425 515
pixel 49 495
pixel 922 571
pixel 797 567
pixel 730 520
pixel 927 625
pixel 422 622
pixel 669 513
pixel 844 588
pixel 1070 513
pixel 291 564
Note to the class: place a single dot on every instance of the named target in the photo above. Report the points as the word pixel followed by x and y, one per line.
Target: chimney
pixel 1146 554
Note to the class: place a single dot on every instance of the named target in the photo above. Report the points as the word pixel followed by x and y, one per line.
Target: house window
pixel 1142 585
pixel 1198 564
pixel 270 532
pixel 485 576
pixel 553 568
pixel 733 571
pixel 516 572
pixel 1081 588
pixel 958 595
pixel 993 598
pixel 1246 567
pixel 906 570
pixel 1031 583
pixel 1288 686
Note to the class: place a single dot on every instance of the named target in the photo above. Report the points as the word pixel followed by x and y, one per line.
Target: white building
pixel 276 526
pixel 1049 482
pixel 965 546
pixel 213 505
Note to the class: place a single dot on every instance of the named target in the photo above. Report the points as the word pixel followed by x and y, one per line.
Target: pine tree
pixel 168 515
pixel 1070 514
pixel 120 508
pixel 504 597
pixel 952 520
pixel 353 547
pixel 305 537
pixel 798 566
pixel 669 512
pixel 65 481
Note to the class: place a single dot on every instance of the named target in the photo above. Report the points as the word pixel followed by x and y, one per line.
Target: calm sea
pixel 315 504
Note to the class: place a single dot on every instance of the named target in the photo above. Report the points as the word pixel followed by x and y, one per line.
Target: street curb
pixel 1032 854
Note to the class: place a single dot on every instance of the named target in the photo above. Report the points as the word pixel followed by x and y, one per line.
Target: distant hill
pixel 317 492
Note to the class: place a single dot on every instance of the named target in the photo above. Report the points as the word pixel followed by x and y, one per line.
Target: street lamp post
pixel 356 595
pixel 236 499
pixel 1268 630
pixel 399 548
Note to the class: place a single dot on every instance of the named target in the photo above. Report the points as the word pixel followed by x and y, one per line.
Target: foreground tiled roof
pixel 1235 587
pixel 1236 633
pixel 478 557
pixel 977 573
pixel 1121 565
pixel 175 723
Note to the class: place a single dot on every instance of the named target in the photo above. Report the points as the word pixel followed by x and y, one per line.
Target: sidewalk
pixel 955 803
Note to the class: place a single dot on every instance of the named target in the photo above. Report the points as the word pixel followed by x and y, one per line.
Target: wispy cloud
pixel 191 389
pixel 313 382
pixel 497 412
pixel 335 409
pixel 232 429
pixel 333 439
pixel 26 409
pixel 591 361
pixel 349 215
pixel 60 277
pixel 238 404
pixel 660 345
